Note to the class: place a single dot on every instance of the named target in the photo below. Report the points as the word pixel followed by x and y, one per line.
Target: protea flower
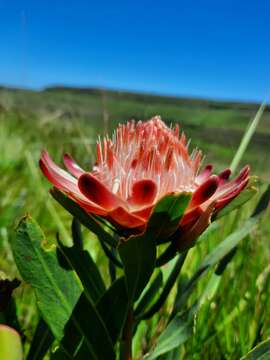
pixel 134 169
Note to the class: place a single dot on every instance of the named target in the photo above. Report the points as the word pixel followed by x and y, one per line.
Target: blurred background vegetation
pixel 69 120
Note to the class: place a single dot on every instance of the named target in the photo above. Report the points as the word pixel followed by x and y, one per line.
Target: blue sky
pixel 217 49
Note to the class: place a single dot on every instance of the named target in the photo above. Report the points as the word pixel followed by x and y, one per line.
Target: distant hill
pixel 214 126
pixel 194 101
pixel 146 97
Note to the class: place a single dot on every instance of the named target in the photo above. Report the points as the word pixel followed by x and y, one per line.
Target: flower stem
pixel 126 343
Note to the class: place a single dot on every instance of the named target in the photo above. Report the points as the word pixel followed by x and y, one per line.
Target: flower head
pixel 134 169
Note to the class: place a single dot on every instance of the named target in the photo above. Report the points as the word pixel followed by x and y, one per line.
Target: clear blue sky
pixel 218 49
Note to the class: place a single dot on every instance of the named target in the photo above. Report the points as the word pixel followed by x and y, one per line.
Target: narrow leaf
pixel 167 287
pixel 82 263
pixel 167 214
pixel 176 333
pixel 76 233
pixel 263 203
pixel 70 343
pixel 229 243
pixel 113 306
pixel 222 249
pixel 138 253
pixel 111 255
pixel 179 328
pixel 110 312
pixel 260 352
pixel 149 294
pixel 89 327
pixel 171 355
pixel 41 342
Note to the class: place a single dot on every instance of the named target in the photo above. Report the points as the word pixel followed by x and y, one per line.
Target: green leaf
pixel 149 294
pixel 246 138
pixel 171 355
pixel 82 353
pixel 70 343
pixel 41 342
pixel 176 333
pixel 111 254
pixel 241 199
pixel 113 307
pixel 138 253
pixel 10 344
pixel 112 268
pixel 111 310
pixel 263 203
pixel 57 290
pixel 179 328
pixel 76 233
pixel 90 327
pixel 214 281
pixel 221 250
pixel 82 263
pixel 260 352
pixel 229 243
pixel 167 255
pixel 85 219
pixel 167 287
pixel 167 214
pixel 60 354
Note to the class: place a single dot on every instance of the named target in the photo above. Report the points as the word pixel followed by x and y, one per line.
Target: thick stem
pixel 126 343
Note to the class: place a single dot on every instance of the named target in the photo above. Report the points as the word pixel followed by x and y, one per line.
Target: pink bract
pixel 134 169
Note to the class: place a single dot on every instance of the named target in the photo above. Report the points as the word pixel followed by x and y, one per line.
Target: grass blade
pixel 247 137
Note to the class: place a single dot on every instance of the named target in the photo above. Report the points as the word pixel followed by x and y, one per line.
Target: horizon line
pixel 130 91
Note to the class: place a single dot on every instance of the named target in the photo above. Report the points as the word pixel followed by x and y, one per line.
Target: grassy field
pixel 215 127
pixel 68 120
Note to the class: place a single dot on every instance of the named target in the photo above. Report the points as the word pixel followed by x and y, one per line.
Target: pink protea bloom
pixel 139 165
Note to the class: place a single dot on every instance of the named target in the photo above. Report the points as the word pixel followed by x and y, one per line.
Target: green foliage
pixel 42 341
pixel 170 282
pixel 180 327
pixel 166 216
pixel 138 255
pixel 176 333
pixel 81 262
pixel 227 290
pixel 88 327
pixel 113 307
pixel 149 294
pixel 57 290
pixel 260 352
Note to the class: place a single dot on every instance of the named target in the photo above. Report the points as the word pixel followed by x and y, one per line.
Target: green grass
pixel 61 120
pixel 216 127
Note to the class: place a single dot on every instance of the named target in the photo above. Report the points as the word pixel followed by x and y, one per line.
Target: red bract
pixel 139 165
